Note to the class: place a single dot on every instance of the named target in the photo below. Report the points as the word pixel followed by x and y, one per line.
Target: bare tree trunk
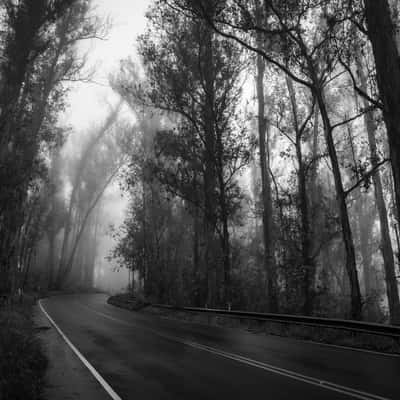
pixel 209 174
pixel 386 243
pixel 364 231
pixel 314 160
pixel 356 304
pixel 89 276
pixel 50 260
pixel 267 212
pixel 81 167
pixel 382 34
pixel 69 264
pixel 196 257
pixel 307 261
pixel 225 242
pixel 27 268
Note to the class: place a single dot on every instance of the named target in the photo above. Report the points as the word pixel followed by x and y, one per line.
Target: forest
pixel 257 145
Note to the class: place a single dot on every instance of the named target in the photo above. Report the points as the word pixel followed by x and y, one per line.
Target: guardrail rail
pixel 349 325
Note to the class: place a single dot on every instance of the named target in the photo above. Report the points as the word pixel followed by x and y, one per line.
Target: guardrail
pixel 343 324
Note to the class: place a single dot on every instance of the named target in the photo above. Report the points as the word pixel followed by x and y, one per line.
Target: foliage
pixel 316 149
pixel 22 364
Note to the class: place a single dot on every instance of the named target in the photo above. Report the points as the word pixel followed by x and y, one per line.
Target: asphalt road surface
pixel 147 357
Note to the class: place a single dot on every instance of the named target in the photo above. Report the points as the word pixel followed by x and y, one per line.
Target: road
pixel 146 357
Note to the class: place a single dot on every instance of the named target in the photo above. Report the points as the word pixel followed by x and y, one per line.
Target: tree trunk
pixel 364 232
pixel 382 34
pixel 209 158
pixel 351 268
pixel 89 276
pixel 386 243
pixel 267 211
pixel 81 229
pixel 196 258
pixel 51 260
pixel 308 264
pixel 314 167
pixel 225 243
pixel 85 157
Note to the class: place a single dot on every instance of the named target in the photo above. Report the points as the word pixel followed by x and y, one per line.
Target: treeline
pixel 47 231
pixel 266 171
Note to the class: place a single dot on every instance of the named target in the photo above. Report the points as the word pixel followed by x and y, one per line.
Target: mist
pixel 214 172
pixel 199 199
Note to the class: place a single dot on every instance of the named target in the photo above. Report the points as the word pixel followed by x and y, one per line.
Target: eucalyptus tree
pixel 85 158
pixel 29 26
pixel 193 74
pixel 267 204
pixel 101 159
pixel 366 89
pixel 306 52
pixel 382 30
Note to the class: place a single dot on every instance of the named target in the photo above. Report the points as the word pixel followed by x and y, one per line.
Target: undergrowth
pixel 22 361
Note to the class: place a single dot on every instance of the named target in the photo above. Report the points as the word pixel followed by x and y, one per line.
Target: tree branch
pixel 365 177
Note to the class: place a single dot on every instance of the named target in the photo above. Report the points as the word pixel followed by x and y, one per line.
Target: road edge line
pixel 85 362
pixel 325 384
pixel 289 374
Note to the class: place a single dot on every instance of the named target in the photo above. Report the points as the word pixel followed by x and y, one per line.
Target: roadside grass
pixel 22 360
pixel 316 334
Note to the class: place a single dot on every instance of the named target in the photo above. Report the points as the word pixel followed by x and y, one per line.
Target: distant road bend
pixel 138 356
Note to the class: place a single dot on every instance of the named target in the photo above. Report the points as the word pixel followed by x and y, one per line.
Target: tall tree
pixel 382 34
pixel 65 263
pixel 267 207
pixel 204 93
pixel 386 243
pixel 311 64
pixel 29 26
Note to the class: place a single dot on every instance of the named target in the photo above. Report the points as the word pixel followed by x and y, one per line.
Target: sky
pixel 89 101
pixel 89 104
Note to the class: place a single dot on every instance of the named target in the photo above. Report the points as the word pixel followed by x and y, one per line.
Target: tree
pixel 382 34
pixel 204 93
pixel 88 153
pixel 386 244
pixel 29 26
pixel 267 209
pixel 309 63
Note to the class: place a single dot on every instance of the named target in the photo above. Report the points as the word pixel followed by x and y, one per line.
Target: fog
pixel 218 162
pixel 170 168
pixel 88 103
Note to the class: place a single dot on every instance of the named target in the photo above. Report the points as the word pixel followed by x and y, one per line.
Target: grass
pixel 22 361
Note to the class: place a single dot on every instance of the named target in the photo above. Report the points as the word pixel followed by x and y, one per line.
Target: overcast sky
pixel 88 101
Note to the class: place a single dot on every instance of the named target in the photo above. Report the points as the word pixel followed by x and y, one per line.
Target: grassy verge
pixel 22 361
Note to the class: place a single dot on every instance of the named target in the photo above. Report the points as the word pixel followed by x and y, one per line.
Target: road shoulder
pixel 66 377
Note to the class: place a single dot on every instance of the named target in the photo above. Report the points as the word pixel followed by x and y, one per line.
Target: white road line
pixel 87 364
pixel 290 374
pixel 258 364
pixel 348 348
pixel 309 342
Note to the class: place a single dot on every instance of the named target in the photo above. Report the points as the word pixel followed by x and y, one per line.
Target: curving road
pixel 145 357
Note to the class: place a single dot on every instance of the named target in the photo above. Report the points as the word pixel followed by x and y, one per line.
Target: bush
pixel 128 301
pixel 22 362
